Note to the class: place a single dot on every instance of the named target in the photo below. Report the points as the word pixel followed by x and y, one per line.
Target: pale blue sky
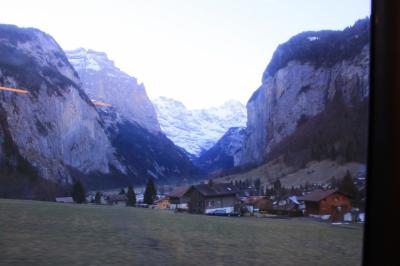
pixel 201 52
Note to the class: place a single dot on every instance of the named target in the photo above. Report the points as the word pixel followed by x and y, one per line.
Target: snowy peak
pixel 89 59
pixel 199 129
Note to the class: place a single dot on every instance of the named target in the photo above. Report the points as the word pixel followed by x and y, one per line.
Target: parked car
pixel 223 213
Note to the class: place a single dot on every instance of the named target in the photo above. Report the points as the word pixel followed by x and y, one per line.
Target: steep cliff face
pixel 311 71
pixel 198 130
pixel 54 128
pixel 103 81
pixel 130 121
pixel 222 155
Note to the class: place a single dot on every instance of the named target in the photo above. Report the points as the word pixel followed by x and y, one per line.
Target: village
pixel 338 202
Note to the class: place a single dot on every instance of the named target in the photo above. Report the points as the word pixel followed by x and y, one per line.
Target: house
pixel 162 203
pixel 177 198
pixel 207 198
pixel 65 200
pixel 257 203
pixel 117 200
pixel 326 202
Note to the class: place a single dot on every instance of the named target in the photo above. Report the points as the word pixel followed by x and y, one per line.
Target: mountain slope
pixel 53 132
pixel 198 130
pixel 316 81
pixel 131 121
pixel 222 155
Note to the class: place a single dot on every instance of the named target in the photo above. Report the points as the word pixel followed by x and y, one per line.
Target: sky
pixel 200 52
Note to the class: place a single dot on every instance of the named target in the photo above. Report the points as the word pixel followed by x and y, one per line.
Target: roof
pixel 160 200
pixel 294 199
pixel 254 199
pixel 318 195
pixel 179 191
pixel 218 189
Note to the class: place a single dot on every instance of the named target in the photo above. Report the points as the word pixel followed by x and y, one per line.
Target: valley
pixel 186 133
pixel 93 122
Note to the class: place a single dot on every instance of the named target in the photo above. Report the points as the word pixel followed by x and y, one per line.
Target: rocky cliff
pixel 53 129
pixel 104 82
pixel 316 85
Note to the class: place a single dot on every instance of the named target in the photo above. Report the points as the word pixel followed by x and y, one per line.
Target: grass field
pixel 44 233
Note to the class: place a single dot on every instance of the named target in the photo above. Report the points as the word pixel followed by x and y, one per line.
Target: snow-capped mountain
pixel 199 129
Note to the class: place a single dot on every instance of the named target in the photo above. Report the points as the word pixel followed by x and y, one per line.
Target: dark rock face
pixel 146 154
pixel 222 155
pixel 322 48
pixel 315 79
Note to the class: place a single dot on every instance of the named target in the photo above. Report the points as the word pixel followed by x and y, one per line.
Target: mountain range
pixel 75 115
pixel 198 130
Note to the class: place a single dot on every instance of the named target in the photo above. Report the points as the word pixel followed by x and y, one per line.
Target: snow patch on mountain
pixel 198 130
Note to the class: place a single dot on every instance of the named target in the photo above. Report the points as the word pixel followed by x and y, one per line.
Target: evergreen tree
pixel 97 198
pixel 78 192
pixel 333 183
pixel 269 191
pixel 131 196
pixel 257 185
pixel 346 186
pixel 277 186
pixel 122 191
pixel 150 193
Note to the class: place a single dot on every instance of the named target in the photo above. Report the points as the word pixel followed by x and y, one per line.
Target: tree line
pixel 78 194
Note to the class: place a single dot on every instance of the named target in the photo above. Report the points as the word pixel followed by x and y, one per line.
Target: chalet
pixel 207 198
pixel 326 202
pixel 178 199
pixel 257 203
